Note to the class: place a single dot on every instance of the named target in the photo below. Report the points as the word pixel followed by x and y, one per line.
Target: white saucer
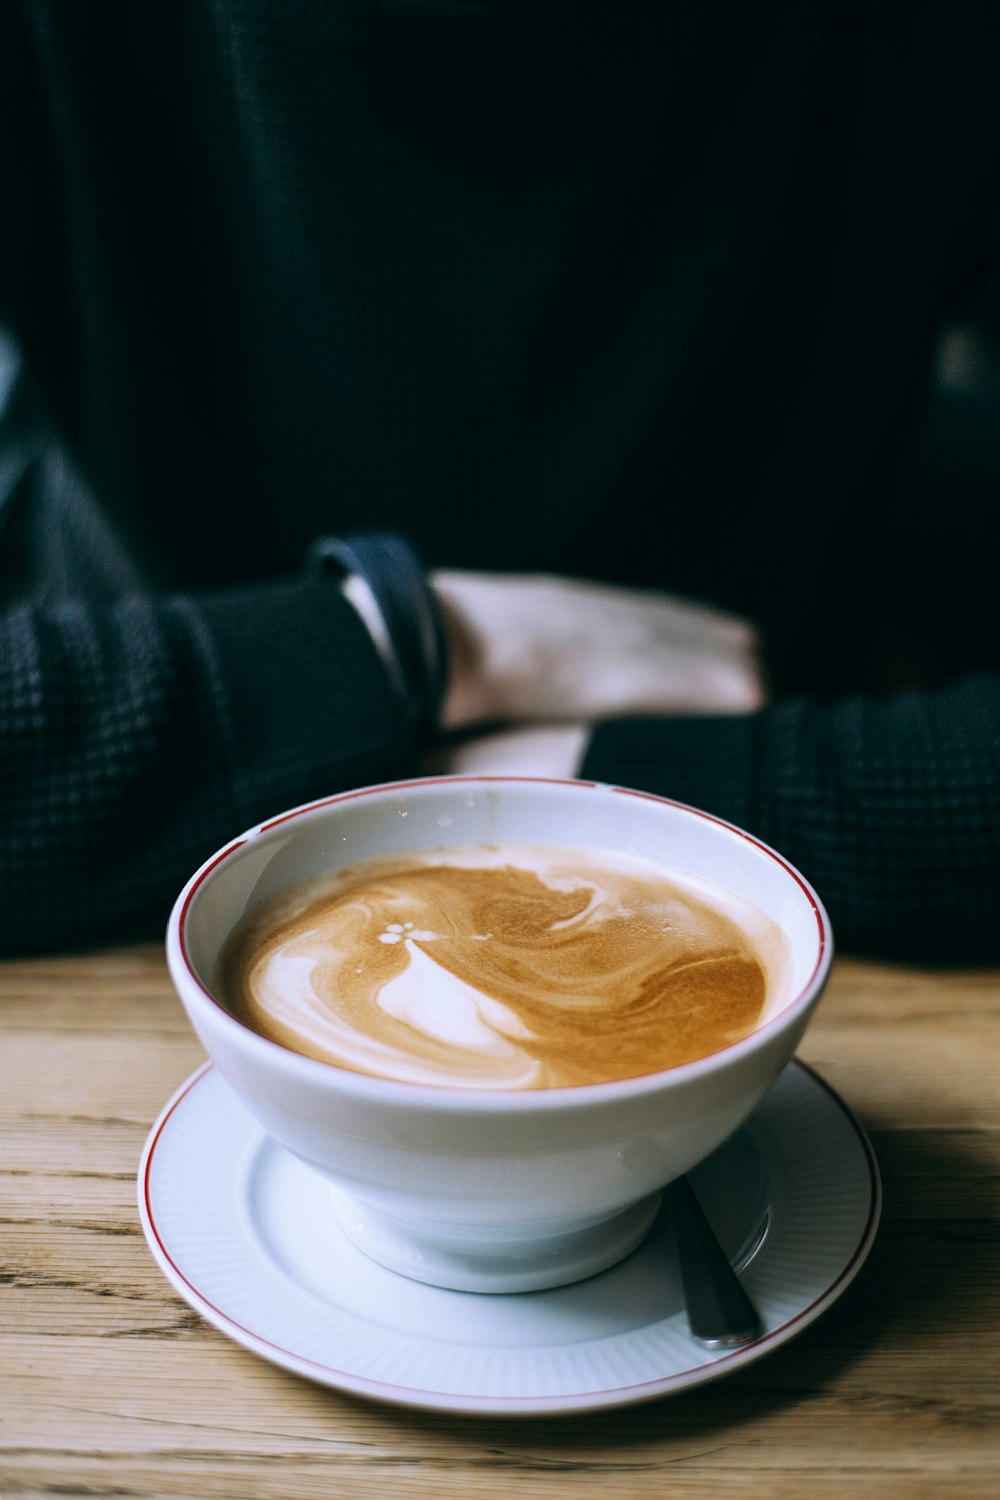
pixel 248 1236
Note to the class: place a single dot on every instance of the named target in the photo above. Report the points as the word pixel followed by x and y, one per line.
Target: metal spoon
pixel 720 1314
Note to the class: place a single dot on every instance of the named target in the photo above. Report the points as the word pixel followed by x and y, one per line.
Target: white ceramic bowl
pixel 493 1190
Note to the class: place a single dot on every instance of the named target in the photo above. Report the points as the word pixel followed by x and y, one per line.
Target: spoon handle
pixel 720 1314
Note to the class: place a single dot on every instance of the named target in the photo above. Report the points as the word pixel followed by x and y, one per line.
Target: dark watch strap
pixel 401 591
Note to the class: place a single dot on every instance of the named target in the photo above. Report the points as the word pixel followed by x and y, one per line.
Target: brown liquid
pixel 526 968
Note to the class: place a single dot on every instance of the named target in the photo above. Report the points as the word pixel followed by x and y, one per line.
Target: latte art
pixel 521 967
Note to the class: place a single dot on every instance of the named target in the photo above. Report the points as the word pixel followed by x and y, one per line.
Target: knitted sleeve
pixel 890 807
pixel 137 735
pixel 139 730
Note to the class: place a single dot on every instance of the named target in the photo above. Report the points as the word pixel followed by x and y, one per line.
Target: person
pixel 392 385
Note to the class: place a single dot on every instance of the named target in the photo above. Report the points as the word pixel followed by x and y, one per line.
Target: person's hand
pixel 527 649
pixel 533 750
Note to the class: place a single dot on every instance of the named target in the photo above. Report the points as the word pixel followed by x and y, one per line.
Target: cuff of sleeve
pixel 705 762
pixel 309 709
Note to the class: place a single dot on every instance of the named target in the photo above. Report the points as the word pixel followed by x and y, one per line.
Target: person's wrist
pixel 489 660
pixel 465 700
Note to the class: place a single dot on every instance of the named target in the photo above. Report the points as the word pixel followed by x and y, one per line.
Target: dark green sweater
pixel 646 292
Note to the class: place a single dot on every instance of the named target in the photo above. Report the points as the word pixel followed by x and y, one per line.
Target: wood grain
pixel 111 1385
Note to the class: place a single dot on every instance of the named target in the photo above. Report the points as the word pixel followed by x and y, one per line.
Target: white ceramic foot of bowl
pixel 425 1252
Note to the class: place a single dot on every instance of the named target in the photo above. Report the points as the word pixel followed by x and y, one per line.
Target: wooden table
pixel 111 1385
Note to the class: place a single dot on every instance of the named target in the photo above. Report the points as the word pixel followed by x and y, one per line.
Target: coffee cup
pixel 483 1188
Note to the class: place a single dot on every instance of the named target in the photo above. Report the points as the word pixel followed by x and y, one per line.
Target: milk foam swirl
pixel 520 967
